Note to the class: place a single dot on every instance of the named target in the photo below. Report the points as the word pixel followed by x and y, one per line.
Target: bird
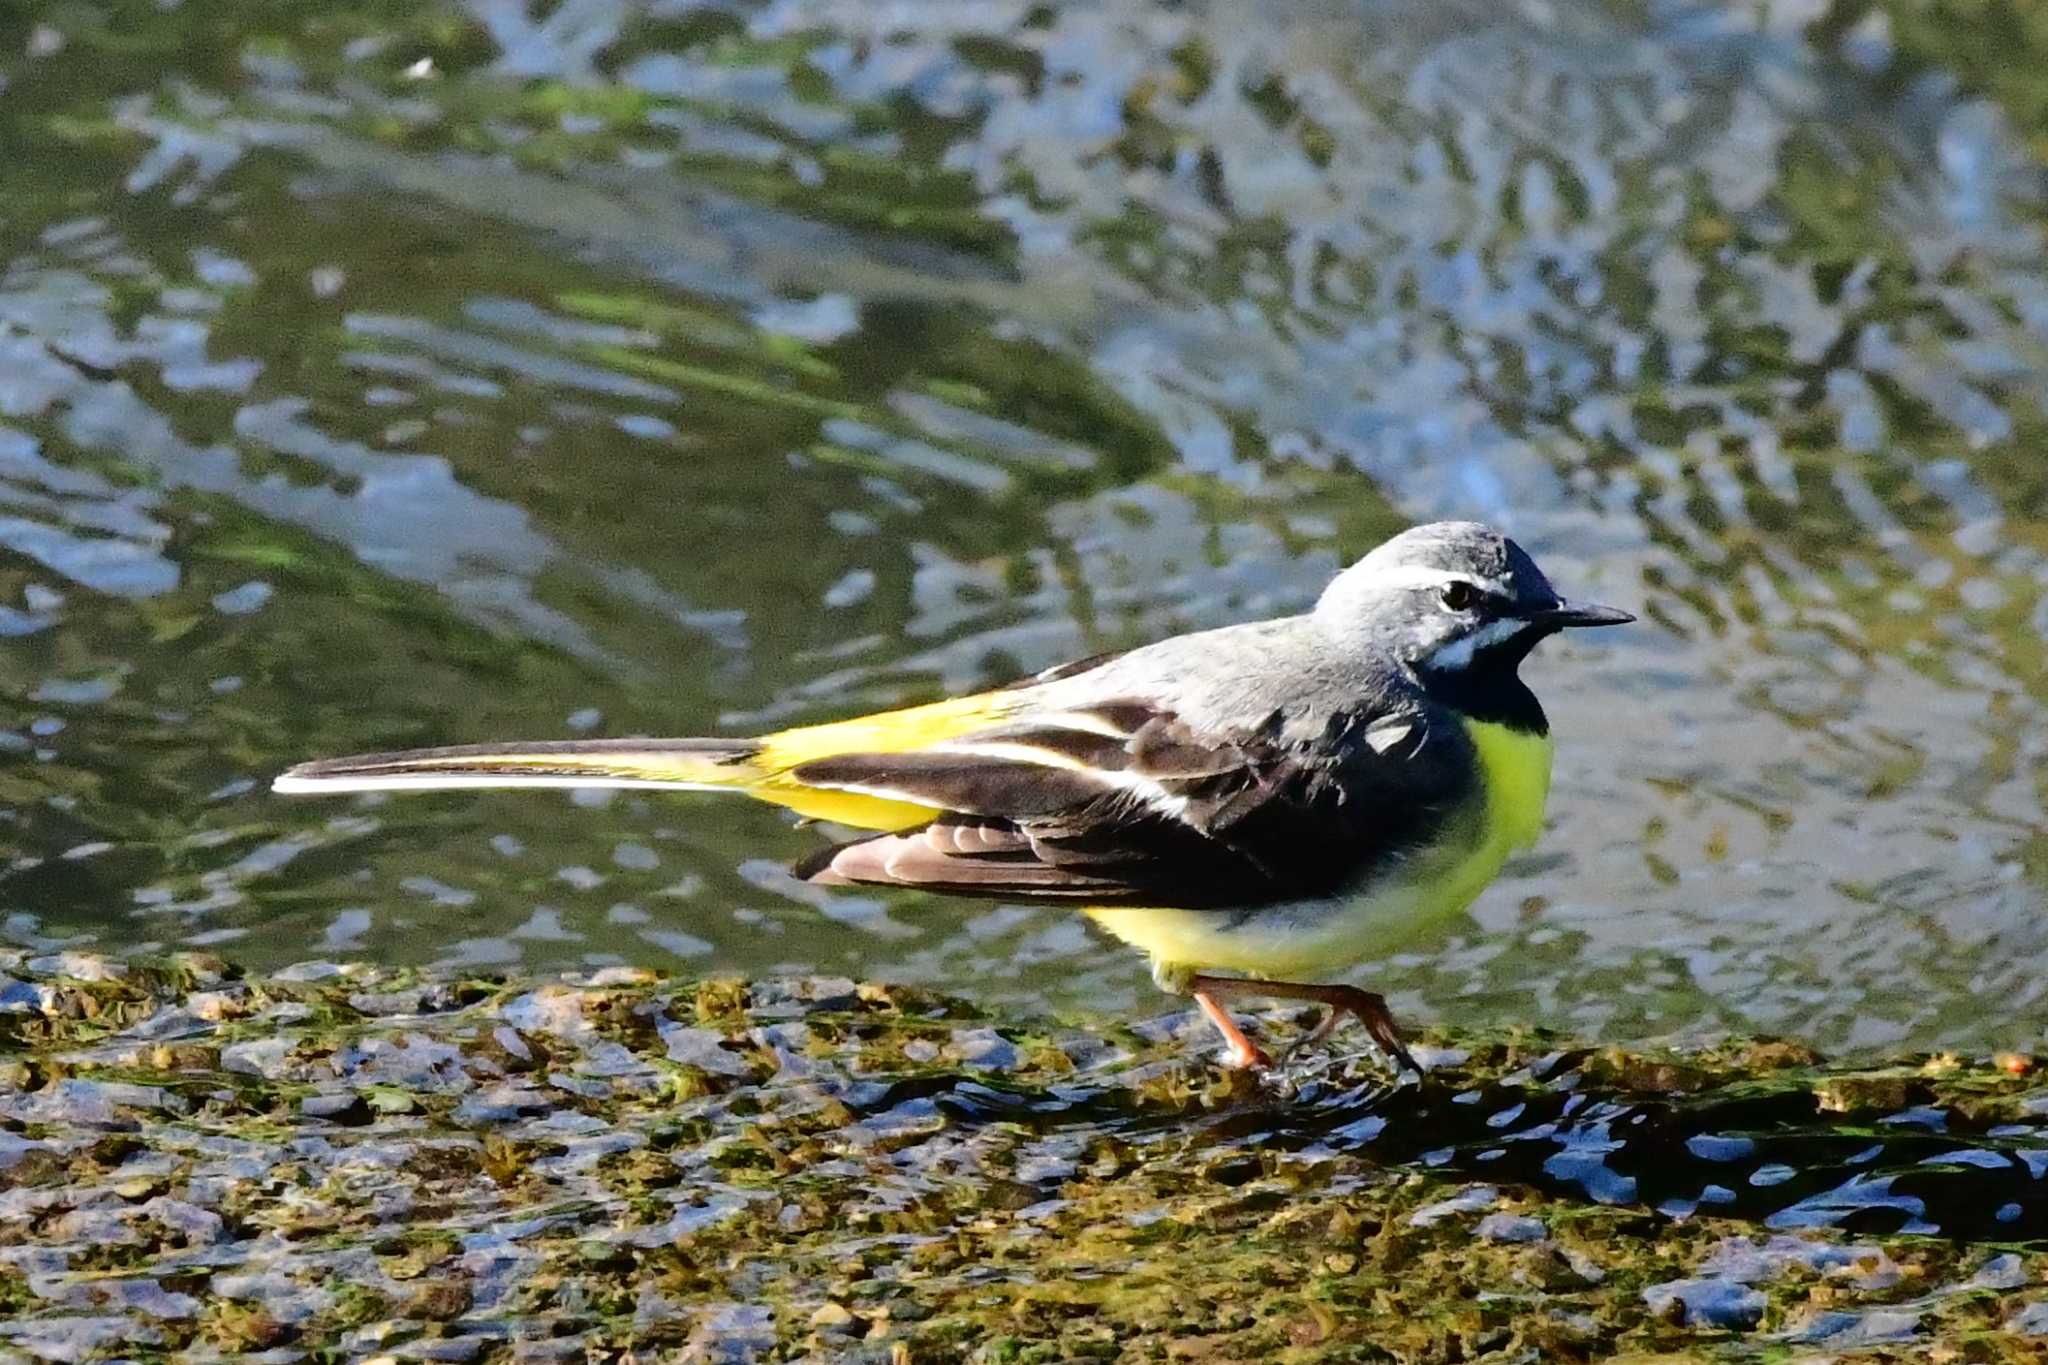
pixel 1251 806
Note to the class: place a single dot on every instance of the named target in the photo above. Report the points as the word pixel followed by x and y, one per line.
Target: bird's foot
pixel 1369 1009
pixel 1343 1001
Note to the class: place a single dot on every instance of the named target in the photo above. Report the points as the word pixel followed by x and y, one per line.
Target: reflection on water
pixel 428 374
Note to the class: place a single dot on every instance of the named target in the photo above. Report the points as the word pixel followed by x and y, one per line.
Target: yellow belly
pixel 1314 938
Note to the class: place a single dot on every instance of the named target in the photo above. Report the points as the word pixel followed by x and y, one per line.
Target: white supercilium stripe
pixel 1423 576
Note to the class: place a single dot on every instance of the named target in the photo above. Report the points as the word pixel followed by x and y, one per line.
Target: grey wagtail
pixel 1264 798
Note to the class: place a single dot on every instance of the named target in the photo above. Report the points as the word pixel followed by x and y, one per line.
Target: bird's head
pixel 1452 600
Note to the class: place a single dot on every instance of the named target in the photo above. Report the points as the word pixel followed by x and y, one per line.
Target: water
pixel 380 374
pixel 443 1167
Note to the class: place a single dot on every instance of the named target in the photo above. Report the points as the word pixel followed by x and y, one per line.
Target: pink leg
pixel 1367 1008
pixel 1242 1052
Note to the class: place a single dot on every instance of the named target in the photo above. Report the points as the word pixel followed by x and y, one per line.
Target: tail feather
pixel 674 763
pixel 765 768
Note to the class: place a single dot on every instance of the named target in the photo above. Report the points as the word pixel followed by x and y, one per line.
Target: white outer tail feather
pixel 295 783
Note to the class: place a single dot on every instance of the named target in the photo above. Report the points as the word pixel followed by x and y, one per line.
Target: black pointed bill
pixel 1564 615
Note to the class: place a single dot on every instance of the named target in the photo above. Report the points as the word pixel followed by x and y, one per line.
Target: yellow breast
pixel 1320 937
pixel 1516 767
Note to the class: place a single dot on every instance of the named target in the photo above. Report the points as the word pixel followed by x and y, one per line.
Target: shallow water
pixel 388 374
pixel 440 1167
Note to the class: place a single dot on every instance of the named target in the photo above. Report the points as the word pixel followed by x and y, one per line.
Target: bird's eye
pixel 1459 595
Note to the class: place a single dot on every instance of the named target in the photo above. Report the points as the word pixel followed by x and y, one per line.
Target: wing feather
pixel 1132 806
pixel 965 783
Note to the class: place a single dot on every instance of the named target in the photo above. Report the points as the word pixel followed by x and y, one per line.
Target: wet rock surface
pixel 345 1161
pixel 379 374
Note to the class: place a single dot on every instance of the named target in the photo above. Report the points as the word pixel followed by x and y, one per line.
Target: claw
pixel 1250 1057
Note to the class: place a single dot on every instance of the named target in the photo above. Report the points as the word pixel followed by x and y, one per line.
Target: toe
pixel 1247 1058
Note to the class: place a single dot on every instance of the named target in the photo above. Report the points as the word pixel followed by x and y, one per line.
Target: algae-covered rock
pixel 348 1161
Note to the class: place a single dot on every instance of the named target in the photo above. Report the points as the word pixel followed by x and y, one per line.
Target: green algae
pixel 339 1161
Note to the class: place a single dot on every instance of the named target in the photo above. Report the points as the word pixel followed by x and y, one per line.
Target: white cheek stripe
pixel 1458 654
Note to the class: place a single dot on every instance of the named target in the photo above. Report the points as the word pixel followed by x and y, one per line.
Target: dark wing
pixel 1123 804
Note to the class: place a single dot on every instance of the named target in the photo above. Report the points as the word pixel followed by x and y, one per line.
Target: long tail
pixel 690 764
pixel 762 768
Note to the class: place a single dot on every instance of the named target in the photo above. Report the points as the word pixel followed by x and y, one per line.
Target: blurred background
pixel 380 373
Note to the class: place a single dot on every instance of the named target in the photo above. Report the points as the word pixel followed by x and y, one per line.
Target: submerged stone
pixel 1707 1303
pixel 377 1163
pixel 1510 1227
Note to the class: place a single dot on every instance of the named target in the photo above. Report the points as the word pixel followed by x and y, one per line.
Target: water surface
pixel 375 375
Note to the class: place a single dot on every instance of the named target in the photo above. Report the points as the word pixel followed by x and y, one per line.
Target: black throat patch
pixel 1493 694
